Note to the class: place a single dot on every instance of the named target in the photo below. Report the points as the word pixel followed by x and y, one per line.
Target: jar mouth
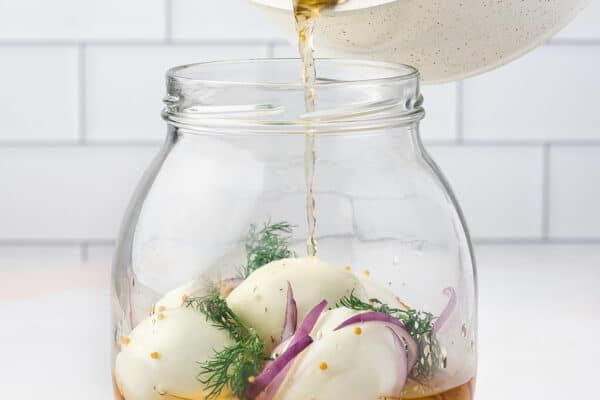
pixel 240 72
pixel 267 95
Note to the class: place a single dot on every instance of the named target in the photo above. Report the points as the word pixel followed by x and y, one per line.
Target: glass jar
pixel 213 294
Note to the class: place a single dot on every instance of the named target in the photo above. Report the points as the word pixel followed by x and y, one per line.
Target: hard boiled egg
pixel 176 297
pixel 159 359
pixel 358 362
pixel 261 299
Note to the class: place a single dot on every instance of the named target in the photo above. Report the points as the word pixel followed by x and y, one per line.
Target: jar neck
pixel 354 147
pixel 267 96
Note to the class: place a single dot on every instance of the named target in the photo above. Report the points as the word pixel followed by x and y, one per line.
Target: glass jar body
pixel 383 209
pixel 214 208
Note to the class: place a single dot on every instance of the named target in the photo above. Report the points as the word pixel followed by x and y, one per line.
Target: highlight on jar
pixel 290 327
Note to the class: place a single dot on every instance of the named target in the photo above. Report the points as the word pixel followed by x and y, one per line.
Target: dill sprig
pixel 417 323
pixel 236 363
pixel 265 245
pixel 233 366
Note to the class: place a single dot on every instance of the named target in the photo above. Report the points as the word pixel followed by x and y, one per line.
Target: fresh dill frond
pixel 418 323
pixel 267 244
pixel 232 367
pixel 235 364
pixel 216 310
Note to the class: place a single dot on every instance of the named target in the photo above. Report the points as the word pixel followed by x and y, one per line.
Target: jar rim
pixel 397 72
pixel 268 95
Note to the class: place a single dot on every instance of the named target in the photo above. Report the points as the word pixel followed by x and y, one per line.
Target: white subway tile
pixel 39 100
pixel 125 86
pixel 440 112
pixel 547 95
pixel 82 19
pixel 220 20
pixel 575 192
pixel 499 188
pixel 586 25
pixel 67 193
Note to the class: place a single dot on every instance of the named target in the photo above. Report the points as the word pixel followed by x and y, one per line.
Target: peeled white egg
pixel 161 355
pixel 175 297
pixel 261 299
pixel 347 364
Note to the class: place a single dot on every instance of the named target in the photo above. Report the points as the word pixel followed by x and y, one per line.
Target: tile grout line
pixel 55 242
pixel 82 136
pixel 525 242
pixel 141 42
pixel 85 244
pixel 109 143
pixel 546 192
pixel 460 139
pixel 84 252
pixel 271 49
pixel 428 142
pixel 168 21
pixel 557 42
pixel 517 143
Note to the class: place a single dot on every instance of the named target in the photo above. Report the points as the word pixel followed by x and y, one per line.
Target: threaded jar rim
pixel 267 95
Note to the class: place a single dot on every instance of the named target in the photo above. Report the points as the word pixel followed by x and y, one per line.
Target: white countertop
pixel 539 325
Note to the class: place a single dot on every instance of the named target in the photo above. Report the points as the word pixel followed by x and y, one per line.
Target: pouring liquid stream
pixel 306 12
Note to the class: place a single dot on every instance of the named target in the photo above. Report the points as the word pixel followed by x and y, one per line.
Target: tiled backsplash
pixel 81 88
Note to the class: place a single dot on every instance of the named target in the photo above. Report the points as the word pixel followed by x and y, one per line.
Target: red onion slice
pixel 290 320
pixel 270 372
pixel 370 316
pixel 437 325
pixel 404 362
pixel 304 330
pixel 309 322
pixel 394 323
pixel 276 383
